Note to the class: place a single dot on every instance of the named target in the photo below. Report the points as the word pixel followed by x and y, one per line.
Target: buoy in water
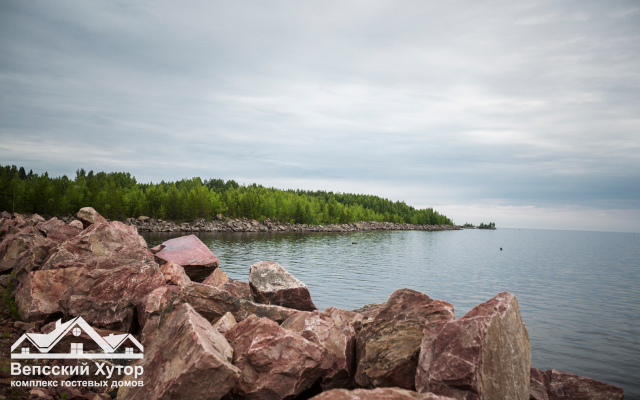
pixel 500 248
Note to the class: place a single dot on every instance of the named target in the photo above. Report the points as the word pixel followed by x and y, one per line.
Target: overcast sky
pixel 522 113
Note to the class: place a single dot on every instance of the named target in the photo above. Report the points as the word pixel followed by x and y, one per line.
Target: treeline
pixel 117 195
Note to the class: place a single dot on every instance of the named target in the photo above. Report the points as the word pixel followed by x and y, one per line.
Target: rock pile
pixel 146 224
pixel 226 339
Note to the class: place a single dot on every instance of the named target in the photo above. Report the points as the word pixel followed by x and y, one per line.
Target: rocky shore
pixel 220 224
pixel 167 323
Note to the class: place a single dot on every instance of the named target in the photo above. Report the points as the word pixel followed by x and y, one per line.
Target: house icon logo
pixel 68 341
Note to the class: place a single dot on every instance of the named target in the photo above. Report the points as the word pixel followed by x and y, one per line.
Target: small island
pixel 490 225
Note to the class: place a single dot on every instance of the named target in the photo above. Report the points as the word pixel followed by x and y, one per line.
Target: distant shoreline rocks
pixel 146 224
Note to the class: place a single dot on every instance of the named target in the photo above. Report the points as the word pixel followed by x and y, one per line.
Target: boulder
pixel 38 297
pixel 331 330
pixel 76 224
pixel 224 323
pixel 538 385
pixel 5 215
pixel 275 363
pixel 57 231
pixel 34 220
pixel 239 289
pixel 363 316
pixel 174 274
pixel 213 303
pixel 565 386
pixel 216 279
pixel 156 249
pixel 188 359
pixel 387 349
pixel 130 230
pixel 107 298
pixel 483 355
pixel 22 253
pixel 88 216
pixel 271 284
pixel 377 394
pixel 99 244
pixel 154 309
pixel 190 253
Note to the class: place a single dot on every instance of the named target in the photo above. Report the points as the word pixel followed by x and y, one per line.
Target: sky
pixel 526 114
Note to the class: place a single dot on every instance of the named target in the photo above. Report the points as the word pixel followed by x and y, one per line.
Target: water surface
pixel 578 291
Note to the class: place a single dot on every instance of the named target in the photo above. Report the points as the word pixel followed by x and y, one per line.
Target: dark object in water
pixel 500 248
pixel 354 243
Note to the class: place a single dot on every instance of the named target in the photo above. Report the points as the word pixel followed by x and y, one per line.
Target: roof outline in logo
pixel 45 342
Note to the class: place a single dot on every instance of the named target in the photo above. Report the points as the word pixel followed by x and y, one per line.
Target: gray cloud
pixel 530 104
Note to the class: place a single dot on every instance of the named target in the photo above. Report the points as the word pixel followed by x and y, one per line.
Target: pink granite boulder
pixel 99 244
pixel 38 297
pixel 154 309
pixel 174 274
pixel 212 303
pixel 107 298
pixel 22 253
pixel 191 254
pixel 224 323
pixel 387 349
pixel 89 216
pixel 331 330
pixel 377 394
pixel 276 363
pixel 216 279
pixel 566 386
pixel 483 355
pixel 271 284
pixel 188 359
pixel 538 385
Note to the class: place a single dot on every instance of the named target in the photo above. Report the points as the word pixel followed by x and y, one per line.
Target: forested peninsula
pixel 117 196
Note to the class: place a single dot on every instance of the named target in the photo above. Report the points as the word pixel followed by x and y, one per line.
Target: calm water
pixel 578 291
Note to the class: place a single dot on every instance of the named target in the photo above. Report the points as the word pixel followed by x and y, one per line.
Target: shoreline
pixel 249 225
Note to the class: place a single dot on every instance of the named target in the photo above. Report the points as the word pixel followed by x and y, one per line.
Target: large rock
pixel 275 363
pixel 237 288
pixel 213 303
pixel 190 253
pixel 332 331
pixel 271 284
pixel 88 216
pixel 155 308
pixel 483 355
pixel 216 279
pixel 57 231
pixel 187 360
pixel 99 245
pixel 38 297
pixel 538 385
pixel 224 323
pixel 362 317
pixel 174 274
pixel 22 253
pixel 377 394
pixel 107 298
pixel 565 386
pixel 387 349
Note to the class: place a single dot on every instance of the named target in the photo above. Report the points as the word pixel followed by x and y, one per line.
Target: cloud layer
pixel 488 105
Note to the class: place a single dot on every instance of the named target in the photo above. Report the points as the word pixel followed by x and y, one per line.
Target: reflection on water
pixel 578 291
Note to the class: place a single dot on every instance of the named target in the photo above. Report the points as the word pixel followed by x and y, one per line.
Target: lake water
pixel 578 291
